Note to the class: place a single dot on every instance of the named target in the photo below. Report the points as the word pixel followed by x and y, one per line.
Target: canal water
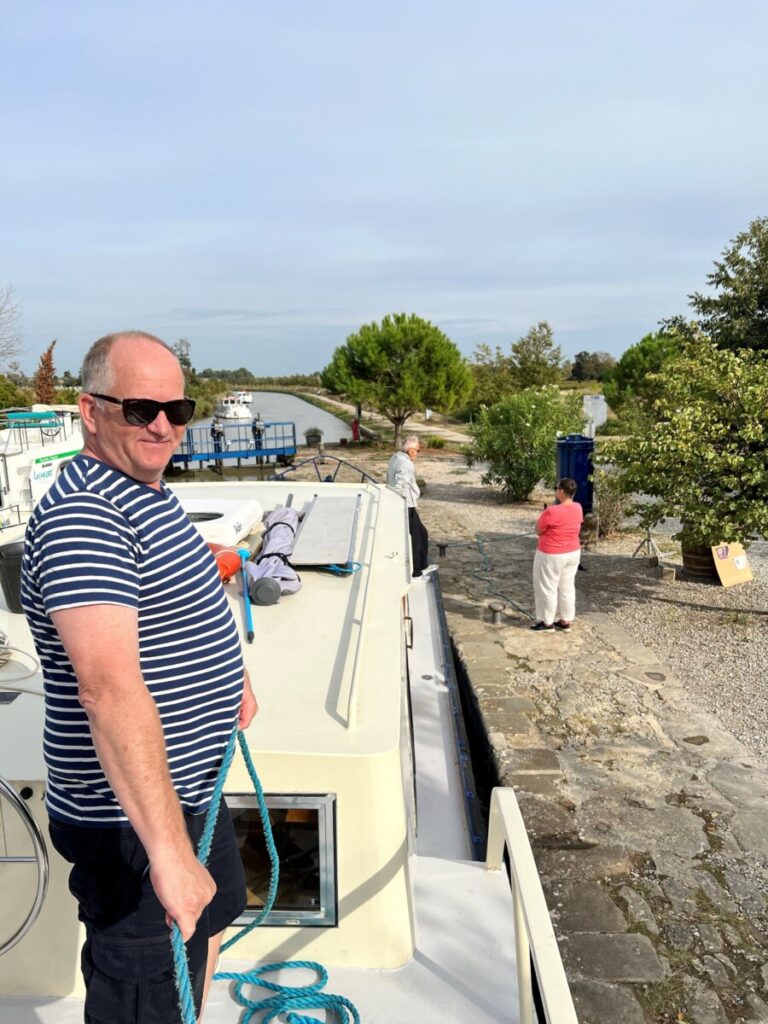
pixel 275 406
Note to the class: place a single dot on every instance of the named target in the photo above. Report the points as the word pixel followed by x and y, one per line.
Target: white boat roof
pixel 313 668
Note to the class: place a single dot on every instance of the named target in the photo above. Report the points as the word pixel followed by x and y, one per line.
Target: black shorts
pixel 127 960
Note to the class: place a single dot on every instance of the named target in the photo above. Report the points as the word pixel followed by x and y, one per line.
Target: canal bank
pixel 647 816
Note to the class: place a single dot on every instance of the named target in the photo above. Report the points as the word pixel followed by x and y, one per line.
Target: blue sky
pixel 263 178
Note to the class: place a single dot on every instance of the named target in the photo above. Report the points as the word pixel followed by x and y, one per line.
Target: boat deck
pixel 463 968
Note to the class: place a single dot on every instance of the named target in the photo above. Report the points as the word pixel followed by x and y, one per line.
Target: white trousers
pixel 554 586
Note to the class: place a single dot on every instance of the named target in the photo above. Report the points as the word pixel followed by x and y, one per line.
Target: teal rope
pixel 484 574
pixel 287 999
pixel 344 570
pixel 180 961
pixel 274 860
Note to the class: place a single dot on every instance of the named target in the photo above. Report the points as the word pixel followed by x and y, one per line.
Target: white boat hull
pixel 422 933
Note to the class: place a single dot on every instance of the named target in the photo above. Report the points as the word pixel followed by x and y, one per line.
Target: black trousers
pixel 127 960
pixel 419 542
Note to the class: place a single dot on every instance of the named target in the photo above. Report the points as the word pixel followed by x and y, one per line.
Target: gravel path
pixel 714 640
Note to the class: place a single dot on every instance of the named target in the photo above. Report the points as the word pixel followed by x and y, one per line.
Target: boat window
pixel 303 827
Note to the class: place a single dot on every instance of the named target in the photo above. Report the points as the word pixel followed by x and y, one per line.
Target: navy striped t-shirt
pixel 100 537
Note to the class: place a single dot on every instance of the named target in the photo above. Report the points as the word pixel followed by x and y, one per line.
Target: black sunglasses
pixel 141 411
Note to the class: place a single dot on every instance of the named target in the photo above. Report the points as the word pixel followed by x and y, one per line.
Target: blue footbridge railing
pixel 276 442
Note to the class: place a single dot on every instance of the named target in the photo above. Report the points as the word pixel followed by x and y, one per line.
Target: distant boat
pixel 230 407
pixel 244 397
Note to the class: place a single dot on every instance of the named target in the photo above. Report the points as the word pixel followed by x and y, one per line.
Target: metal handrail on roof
pixel 320 463
pixel 22 428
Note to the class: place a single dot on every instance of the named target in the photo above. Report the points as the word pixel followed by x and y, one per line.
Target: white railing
pixel 38 857
pixel 534 936
pixel 16 514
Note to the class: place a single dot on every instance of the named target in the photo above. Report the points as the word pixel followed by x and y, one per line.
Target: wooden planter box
pixel 698 563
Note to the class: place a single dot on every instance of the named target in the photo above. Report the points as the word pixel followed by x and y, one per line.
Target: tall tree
pixel 492 375
pixel 10 338
pixel 536 360
pixel 44 380
pixel 634 379
pixel 16 375
pixel 181 350
pixel 591 365
pixel 737 317
pixel 400 366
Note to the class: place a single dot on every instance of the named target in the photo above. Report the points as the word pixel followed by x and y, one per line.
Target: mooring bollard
pixel 441 549
pixel 496 607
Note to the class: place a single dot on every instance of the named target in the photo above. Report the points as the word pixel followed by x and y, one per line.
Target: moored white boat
pixel 356 747
pixel 35 445
pixel 230 407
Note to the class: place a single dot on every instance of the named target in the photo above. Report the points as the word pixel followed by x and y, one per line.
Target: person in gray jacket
pixel 401 476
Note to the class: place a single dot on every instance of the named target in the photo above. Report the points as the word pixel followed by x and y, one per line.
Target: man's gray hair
pixel 412 441
pixel 96 373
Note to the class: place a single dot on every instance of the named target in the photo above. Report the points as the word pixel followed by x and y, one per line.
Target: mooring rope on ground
pixel 288 999
pixel 482 574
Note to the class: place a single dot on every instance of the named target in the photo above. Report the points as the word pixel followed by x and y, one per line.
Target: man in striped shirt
pixel 144 682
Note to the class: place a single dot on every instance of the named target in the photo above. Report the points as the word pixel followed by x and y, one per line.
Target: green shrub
pixel 433 441
pixel 517 438
pixel 612 502
pixel 66 396
pixel 11 395
pixel 700 451
pixel 612 428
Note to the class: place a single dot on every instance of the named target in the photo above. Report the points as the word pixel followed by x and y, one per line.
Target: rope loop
pixel 287 999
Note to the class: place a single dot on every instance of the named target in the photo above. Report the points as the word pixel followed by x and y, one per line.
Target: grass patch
pixel 734 617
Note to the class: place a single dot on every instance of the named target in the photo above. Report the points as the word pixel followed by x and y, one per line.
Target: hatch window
pixel 304 829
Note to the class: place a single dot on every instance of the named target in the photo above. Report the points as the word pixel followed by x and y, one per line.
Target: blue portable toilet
pixel 574 460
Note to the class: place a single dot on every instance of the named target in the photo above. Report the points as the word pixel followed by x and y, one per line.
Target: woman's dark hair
pixel 568 486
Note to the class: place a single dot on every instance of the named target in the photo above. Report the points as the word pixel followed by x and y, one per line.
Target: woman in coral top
pixel 557 559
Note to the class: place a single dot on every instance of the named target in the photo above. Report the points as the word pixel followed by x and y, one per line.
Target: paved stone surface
pixel 649 822
pixel 611 957
pixel 638 910
pixel 759 1008
pixel 703 1003
pixel 586 907
pixel 598 1003
pixel 751 830
pixel 633 821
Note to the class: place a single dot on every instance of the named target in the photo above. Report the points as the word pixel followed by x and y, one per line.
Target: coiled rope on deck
pixel 287 999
